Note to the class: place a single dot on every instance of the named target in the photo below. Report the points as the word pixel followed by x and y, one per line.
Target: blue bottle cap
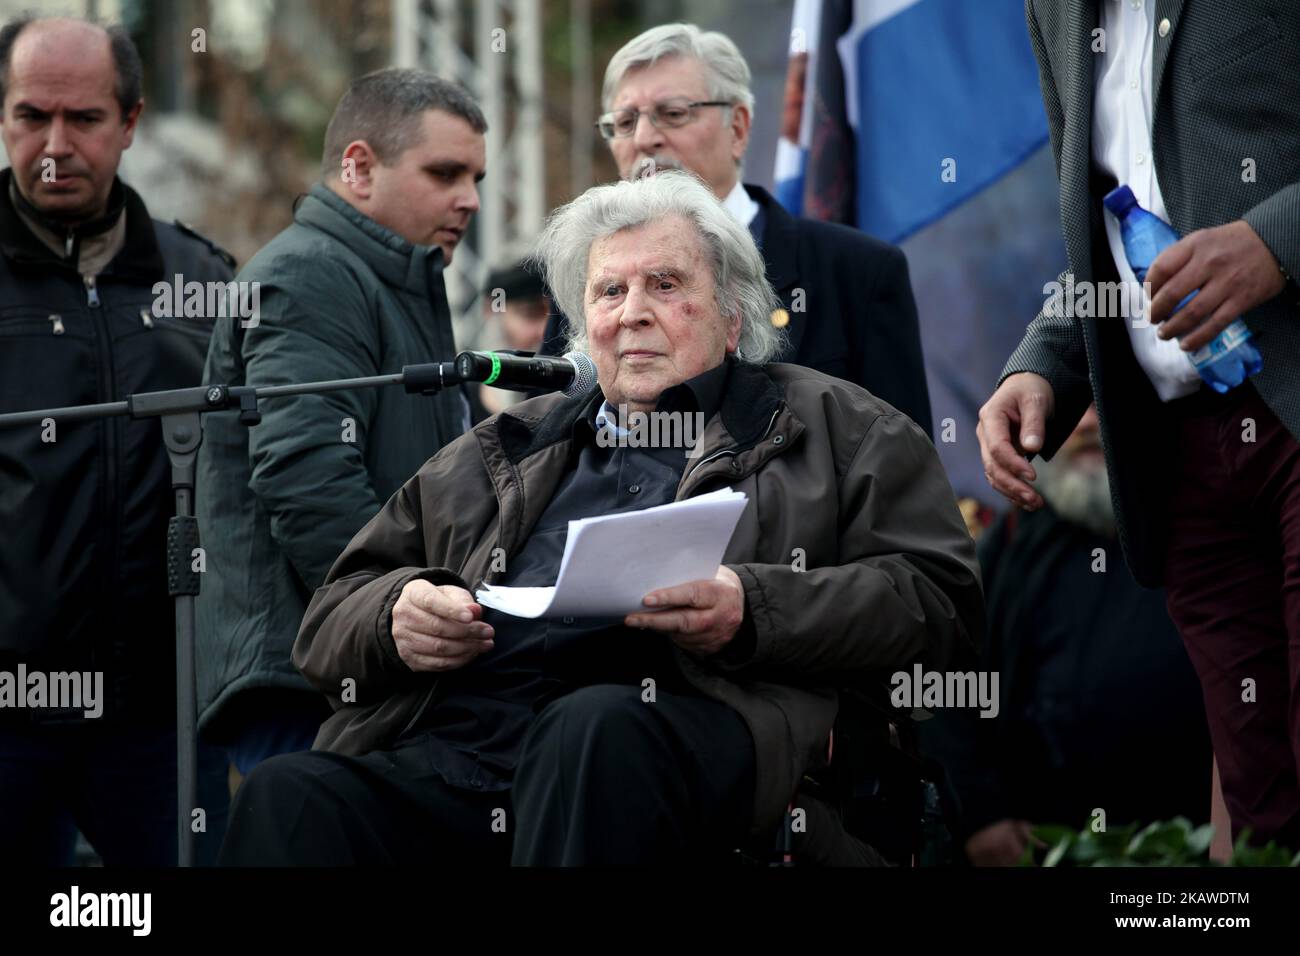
pixel 1119 201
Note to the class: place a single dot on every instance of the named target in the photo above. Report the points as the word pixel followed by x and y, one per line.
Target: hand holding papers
pixel 612 561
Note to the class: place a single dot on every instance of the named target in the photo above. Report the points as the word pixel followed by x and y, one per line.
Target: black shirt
pixel 477 720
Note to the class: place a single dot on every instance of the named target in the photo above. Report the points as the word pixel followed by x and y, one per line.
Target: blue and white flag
pixel 796 122
pixel 942 97
pixel 923 103
pixel 921 123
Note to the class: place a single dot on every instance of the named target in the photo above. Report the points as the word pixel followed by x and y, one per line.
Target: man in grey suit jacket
pixel 1196 105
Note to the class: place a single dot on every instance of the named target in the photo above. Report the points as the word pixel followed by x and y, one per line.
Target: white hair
pixel 739 272
pixel 725 67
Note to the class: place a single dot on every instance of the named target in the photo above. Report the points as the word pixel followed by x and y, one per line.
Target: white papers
pixel 612 561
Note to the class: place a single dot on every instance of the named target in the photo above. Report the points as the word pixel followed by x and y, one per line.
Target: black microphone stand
pixel 179 412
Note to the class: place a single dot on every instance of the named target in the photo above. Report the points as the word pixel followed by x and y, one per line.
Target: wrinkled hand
pixel 1013 424
pixel 701 617
pixel 1000 844
pixel 438 627
pixel 1231 267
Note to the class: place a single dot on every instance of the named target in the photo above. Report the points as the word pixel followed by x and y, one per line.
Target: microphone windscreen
pixel 584 373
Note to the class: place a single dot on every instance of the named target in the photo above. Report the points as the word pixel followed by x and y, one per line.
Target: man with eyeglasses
pixel 677 97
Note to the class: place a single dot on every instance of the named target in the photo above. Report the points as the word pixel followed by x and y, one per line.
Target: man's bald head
pixel 70 92
pixel 67 37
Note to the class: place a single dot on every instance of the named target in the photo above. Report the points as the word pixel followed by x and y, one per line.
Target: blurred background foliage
pixel 1164 843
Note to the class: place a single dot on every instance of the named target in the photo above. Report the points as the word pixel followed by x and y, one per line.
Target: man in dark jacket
pixel 84 505
pixel 679 730
pixel 679 98
pixel 352 288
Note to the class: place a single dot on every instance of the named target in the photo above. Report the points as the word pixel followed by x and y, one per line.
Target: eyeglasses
pixel 667 115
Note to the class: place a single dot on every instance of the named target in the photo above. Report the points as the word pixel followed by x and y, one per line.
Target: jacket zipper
pixel 733 451
pixel 523 502
pixel 108 386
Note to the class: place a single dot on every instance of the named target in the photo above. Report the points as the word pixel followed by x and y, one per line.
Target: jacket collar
pixel 140 258
pixel 780 239
pixel 703 394
pixel 81 230
pixel 748 404
pixel 397 262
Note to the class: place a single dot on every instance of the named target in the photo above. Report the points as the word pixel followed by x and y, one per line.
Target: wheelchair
pixel 877 802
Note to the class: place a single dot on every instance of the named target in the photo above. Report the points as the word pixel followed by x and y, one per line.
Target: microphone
pixel 572 374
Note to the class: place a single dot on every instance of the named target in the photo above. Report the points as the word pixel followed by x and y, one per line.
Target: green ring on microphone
pixel 496 369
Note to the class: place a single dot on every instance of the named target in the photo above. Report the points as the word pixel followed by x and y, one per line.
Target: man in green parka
pixel 353 287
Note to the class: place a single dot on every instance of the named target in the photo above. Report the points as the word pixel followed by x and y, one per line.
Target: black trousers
pixel 603 778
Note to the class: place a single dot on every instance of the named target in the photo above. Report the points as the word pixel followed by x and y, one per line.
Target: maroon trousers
pixel 1232 580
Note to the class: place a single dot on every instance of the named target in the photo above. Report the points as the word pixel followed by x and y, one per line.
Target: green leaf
pixel 1199 840
pixel 1088 848
pixel 1160 841
pixel 1052 833
pixel 1057 852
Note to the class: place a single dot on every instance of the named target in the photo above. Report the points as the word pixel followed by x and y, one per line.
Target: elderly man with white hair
pixel 464 735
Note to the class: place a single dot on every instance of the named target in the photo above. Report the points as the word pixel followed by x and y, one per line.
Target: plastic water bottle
pixel 1227 360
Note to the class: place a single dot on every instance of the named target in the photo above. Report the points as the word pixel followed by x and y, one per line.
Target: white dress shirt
pixel 742 208
pixel 1121 145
